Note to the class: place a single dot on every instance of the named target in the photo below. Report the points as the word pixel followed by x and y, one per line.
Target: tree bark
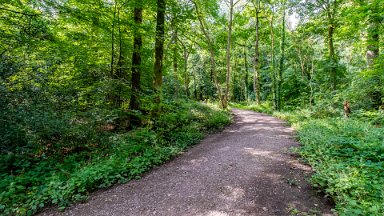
pixel 281 66
pixel 134 103
pixel 113 41
pixel 159 52
pixel 331 47
pixel 227 80
pixel 256 82
pixel 274 78
pixel 246 74
pixel 120 70
pixel 175 65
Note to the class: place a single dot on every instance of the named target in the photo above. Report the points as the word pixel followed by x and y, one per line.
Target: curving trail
pixel 244 170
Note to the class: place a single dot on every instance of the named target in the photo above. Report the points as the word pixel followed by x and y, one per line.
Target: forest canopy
pixel 77 77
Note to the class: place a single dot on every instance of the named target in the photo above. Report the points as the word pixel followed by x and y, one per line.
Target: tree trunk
pixel 186 74
pixel 256 82
pixel 227 80
pixel 274 78
pixel 120 70
pixel 246 75
pixel 331 48
pixel 134 103
pixel 281 67
pixel 175 65
pixel 159 52
pixel 211 52
pixel 113 40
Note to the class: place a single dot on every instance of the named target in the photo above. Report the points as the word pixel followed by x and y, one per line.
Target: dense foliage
pixel 30 182
pixel 346 155
pixel 98 91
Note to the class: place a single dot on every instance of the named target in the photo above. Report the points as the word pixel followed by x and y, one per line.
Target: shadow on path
pixel 244 170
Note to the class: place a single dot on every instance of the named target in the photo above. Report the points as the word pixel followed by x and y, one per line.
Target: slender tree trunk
pixel 212 54
pixel 302 63
pixel 311 85
pixel 186 74
pixel 256 85
pixel 274 78
pixel 331 48
pixel 175 65
pixel 281 67
pixel 227 80
pixel 246 74
pixel 159 52
pixel 235 85
pixel 134 103
pixel 121 73
pixel 113 40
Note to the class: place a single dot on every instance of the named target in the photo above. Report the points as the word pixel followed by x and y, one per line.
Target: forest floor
pixel 247 169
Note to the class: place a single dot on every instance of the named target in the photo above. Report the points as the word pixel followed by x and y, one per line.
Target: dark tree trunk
pixel 281 66
pixel 246 74
pixel 159 52
pixel 256 78
pixel 175 65
pixel 332 59
pixel 134 103
pixel 274 76
pixel 120 70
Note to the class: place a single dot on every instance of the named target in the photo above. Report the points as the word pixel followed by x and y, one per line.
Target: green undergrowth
pixel 30 182
pixel 347 155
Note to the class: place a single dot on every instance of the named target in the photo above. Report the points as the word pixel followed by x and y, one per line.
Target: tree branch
pixel 18 12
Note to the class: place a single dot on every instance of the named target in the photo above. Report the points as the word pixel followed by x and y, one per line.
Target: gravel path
pixel 244 170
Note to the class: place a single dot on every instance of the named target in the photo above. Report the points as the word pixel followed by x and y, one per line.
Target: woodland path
pixel 244 170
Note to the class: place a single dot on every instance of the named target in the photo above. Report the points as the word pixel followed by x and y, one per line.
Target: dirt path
pixel 244 170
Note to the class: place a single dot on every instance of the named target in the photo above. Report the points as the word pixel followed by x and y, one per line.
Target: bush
pixel 348 157
pixel 93 159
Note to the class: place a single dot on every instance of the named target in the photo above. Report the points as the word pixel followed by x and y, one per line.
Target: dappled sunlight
pixel 197 162
pixel 231 193
pixel 294 164
pixel 272 155
pixel 215 213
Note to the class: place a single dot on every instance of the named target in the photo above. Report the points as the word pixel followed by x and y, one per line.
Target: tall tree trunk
pixel 120 70
pixel 227 80
pixel 211 52
pixel 256 81
pixel 331 47
pixel 311 85
pixel 159 52
pixel 134 103
pixel 246 74
pixel 113 40
pixel 175 65
pixel 281 66
pixel 186 74
pixel 274 78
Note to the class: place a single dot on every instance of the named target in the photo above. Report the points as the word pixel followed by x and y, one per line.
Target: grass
pixel 347 155
pixel 29 183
